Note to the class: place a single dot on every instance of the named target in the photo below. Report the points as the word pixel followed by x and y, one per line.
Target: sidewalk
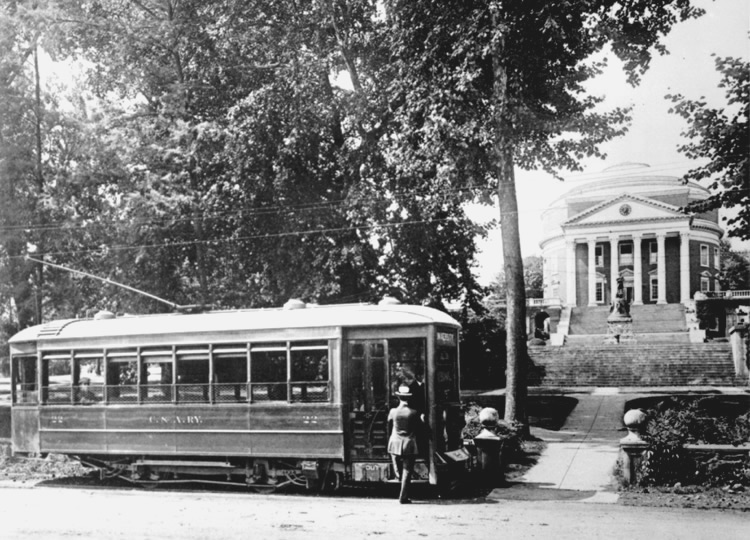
pixel 580 458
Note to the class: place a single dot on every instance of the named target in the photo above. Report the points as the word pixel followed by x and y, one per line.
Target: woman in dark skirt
pixel 402 446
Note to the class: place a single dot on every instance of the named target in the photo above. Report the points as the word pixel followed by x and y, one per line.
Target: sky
pixel 654 134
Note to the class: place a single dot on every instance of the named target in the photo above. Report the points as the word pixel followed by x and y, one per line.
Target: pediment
pixel 626 208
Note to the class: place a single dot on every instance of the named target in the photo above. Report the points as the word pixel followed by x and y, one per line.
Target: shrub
pixel 511 434
pixel 674 423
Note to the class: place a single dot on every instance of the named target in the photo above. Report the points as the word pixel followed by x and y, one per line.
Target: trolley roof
pixel 358 315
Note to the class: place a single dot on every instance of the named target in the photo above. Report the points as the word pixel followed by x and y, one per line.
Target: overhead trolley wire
pixel 247 213
pixel 337 203
pixel 217 242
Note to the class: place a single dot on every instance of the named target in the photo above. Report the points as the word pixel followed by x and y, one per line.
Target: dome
pixel 627 166
pixel 631 177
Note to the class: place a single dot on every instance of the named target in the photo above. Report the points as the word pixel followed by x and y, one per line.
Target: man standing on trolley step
pixel 402 445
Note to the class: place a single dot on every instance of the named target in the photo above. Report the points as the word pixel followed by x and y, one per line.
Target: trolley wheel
pixel 332 481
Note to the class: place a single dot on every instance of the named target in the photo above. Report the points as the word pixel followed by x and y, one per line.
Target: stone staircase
pixel 634 365
pixel 661 354
pixel 647 319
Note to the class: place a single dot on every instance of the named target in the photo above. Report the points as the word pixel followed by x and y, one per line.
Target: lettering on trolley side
pixel 187 419
pixel 310 419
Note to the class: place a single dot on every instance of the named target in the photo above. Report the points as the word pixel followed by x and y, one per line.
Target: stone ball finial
pixel 634 420
pixel 489 416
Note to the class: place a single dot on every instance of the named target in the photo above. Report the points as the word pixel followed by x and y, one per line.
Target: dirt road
pixel 56 513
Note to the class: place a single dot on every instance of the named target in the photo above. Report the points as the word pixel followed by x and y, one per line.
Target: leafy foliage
pixel 722 136
pixel 735 269
pixel 674 423
pixel 533 278
pixel 209 156
pixel 482 349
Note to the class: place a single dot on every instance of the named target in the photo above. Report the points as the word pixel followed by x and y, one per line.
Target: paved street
pixel 57 513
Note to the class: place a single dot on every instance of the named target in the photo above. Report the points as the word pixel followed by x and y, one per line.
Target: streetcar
pixel 265 398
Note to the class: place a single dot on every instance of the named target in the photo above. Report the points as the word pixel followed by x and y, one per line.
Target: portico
pixel 630 228
pixel 614 256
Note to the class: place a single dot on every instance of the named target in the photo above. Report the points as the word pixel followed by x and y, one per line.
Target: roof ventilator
pixel 295 303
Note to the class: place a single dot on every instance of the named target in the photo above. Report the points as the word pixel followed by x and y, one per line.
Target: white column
pixel 685 267
pixel 661 269
pixel 637 270
pixel 570 272
pixel 614 266
pixel 592 271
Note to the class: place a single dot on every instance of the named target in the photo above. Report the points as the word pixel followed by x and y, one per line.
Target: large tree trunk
pixel 515 323
pixel 515 296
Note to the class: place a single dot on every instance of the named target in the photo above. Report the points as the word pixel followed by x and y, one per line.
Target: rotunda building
pixel 629 225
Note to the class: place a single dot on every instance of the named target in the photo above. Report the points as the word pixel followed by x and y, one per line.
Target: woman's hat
pixel 403 391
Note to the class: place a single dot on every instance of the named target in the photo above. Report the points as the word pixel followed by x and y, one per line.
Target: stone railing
pixel 543 302
pixel 728 294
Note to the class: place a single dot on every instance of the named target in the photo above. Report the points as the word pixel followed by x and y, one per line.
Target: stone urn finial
pixel 635 421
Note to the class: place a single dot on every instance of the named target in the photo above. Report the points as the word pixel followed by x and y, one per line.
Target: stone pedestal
pixel 619 329
pixel 632 447
pixel 631 457
pixel 490 458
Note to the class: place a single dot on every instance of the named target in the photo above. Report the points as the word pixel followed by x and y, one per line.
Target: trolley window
pixel 57 377
pixel 122 376
pixel 192 374
pixel 407 360
pixel 156 375
pixel 268 372
pixel 197 373
pixel 309 372
pixel 88 377
pixel 24 380
pixel 230 372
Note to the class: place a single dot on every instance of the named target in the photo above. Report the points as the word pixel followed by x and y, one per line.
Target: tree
pixel 486 86
pixel 533 278
pixel 29 142
pixel 735 269
pixel 214 160
pixel 722 136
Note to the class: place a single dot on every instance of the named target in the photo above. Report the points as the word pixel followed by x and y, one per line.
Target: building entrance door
pixel 627 286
